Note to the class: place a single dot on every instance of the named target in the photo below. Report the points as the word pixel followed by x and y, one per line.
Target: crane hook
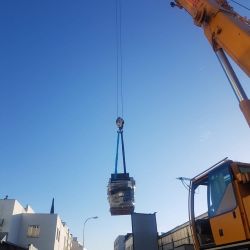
pixel 120 123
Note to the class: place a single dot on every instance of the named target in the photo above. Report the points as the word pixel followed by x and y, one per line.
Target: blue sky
pixel 58 109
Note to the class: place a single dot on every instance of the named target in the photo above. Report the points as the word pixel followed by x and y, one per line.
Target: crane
pixel 228 33
pixel 226 224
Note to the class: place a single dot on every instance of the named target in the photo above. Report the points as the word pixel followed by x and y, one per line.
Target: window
pixel 200 199
pixel 57 234
pixel 33 231
pixel 220 192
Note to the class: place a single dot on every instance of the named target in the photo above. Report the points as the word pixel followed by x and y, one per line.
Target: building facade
pixel 178 238
pixel 129 242
pixel 119 243
pixel 23 227
pixel 76 245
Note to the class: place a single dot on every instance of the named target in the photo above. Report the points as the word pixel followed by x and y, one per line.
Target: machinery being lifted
pixel 121 186
pixel 227 224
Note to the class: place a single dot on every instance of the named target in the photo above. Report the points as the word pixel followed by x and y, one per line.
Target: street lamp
pixel 95 217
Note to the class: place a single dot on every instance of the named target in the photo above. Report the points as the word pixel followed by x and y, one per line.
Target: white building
pixel 76 245
pixel 129 242
pixel 119 243
pixel 23 227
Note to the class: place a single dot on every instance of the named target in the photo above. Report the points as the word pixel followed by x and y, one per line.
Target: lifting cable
pixel 120 123
pixel 119 86
pixel 119 60
pixel 241 5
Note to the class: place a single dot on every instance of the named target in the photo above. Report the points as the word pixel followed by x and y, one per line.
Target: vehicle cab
pixel 224 191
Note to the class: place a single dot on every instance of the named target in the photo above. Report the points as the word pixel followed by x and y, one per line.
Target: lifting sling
pixel 120 123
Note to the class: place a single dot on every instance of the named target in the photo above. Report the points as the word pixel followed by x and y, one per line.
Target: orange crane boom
pixel 226 31
pixel 223 27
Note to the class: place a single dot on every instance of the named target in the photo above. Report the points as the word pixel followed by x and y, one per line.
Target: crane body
pixel 227 224
pixel 226 184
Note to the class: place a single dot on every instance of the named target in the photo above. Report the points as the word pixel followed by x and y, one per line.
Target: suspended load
pixel 121 186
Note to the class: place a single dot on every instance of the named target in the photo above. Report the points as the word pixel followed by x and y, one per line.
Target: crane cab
pixel 225 190
pixel 121 194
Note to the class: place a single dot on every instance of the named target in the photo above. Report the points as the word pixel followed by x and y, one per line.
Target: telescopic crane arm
pixel 223 27
pixel 226 31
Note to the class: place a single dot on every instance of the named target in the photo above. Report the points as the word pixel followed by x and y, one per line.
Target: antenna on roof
pixel 52 207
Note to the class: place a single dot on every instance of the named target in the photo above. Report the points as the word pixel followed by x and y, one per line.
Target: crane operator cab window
pixel 221 196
